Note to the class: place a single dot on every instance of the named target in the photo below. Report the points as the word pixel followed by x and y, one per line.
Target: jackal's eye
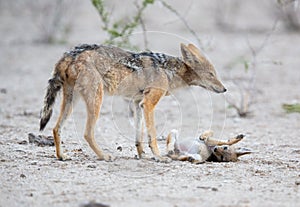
pixel 225 148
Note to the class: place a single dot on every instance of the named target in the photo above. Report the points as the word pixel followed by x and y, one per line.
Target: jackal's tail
pixel 54 86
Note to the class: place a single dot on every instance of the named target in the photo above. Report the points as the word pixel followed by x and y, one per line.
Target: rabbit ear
pixel 242 151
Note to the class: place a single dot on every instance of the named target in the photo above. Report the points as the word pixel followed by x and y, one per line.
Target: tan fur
pixel 93 70
pixel 205 148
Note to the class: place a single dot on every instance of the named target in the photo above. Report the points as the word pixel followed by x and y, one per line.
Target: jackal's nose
pixel 224 90
pixel 215 149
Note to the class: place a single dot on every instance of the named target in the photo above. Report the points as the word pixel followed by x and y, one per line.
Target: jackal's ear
pixel 187 55
pixel 196 51
pixel 242 151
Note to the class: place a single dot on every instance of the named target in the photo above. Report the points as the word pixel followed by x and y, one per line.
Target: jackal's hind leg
pixel 193 158
pixel 65 111
pixel 92 96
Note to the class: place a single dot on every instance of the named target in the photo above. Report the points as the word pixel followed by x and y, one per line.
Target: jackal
pixel 92 70
pixel 204 148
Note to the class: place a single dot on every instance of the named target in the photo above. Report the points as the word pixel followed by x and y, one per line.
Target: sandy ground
pixel 32 176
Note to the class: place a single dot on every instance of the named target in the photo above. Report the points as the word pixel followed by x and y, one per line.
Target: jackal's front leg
pixel 150 99
pixel 235 139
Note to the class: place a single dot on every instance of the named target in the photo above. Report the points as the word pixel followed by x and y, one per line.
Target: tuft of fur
pixel 54 86
pixel 81 48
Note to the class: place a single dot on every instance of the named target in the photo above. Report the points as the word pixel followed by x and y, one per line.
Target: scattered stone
pixel 23 142
pixel 27 113
pixel 77 150
pixel 297 151
pixel 203 187
pixel 22 176
pixel 21 150
pixel 214 189
pixel 30 194
pixel 119 148
pixel 33 163
pixel 208 188
pixel 91 166
pixel 41 140
pixel 3 90
pixel 94 204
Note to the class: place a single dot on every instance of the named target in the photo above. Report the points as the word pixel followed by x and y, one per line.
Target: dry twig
pixel 246 87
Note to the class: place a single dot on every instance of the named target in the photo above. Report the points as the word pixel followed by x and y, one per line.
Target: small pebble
pixel 119 148
pixel 91 166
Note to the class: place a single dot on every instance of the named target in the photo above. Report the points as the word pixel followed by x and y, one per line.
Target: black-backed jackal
pixel 204 148
pixel 93 70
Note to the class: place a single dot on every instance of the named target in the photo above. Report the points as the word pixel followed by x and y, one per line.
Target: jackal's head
pixel 226 153
pixel 200 71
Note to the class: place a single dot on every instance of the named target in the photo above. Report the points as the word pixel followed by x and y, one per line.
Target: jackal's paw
pixel 141 156
pixel 240 136
pixel 64 157
pixel 207 134
pixel 195 161
pixel 107 158
pixel 162 159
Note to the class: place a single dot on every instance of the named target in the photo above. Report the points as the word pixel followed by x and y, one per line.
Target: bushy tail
pixel 54 86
